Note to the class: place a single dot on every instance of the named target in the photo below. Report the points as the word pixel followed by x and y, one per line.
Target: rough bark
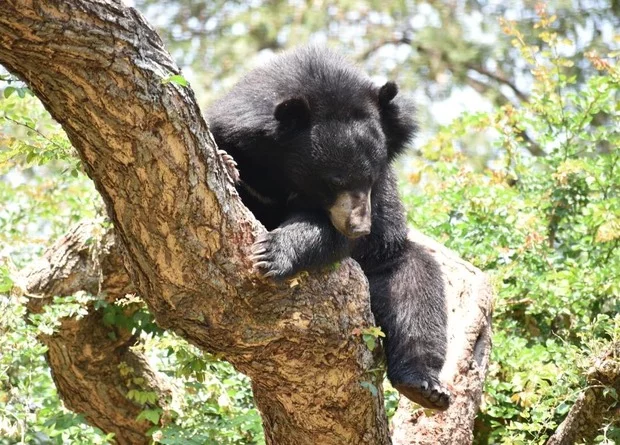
pixel 470 299
pixel 98 68
pixel 596 405
pixel 85 359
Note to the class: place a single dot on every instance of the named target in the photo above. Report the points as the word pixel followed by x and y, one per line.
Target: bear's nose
pixel 360 219
pixel 358 232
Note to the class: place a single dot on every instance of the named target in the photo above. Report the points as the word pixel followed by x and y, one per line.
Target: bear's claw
pixel 432 395
pixel 271 254
pixel 231 165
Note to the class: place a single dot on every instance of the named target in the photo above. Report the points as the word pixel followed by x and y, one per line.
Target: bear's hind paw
pixel 426 393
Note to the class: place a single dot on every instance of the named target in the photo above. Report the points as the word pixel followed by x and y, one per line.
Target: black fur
pixel 303 129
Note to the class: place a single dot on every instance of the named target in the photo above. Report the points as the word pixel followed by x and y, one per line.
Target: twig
pixel 10 119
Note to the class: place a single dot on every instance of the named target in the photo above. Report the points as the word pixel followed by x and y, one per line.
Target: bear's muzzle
pixel 351 214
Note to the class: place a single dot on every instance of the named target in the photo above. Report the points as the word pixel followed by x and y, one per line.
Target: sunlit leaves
pixel 152 415
pixel 42 192
pixel 370 336
pixel 213 403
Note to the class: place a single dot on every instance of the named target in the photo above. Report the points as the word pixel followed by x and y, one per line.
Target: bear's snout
pixel 351 214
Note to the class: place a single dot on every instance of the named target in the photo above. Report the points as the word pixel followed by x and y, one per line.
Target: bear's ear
pixel 293 111
pixel 386 93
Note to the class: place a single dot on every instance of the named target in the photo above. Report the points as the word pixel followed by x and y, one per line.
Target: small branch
pixel 499 79
pixel 475 84
pixel 381 43
pixel 596 405
pixel 482 88
pixel 10 119
pixel 532 146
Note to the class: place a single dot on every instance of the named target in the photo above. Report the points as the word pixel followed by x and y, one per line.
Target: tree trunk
pixel 185 237
pixel 98 68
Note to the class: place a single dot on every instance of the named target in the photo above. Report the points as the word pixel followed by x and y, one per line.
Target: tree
pixel 184 235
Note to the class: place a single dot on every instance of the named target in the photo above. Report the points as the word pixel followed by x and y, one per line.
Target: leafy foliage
pixel 42 192
pixel 213 403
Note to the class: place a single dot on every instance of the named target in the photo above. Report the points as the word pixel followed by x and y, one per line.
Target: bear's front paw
pixel 273 255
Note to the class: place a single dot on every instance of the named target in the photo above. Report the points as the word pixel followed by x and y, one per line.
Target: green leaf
pixel 370 341
pixel 132 394
pixel 562 408
pixel 6 283
pixel 175 78
pixel 370 387
pixel 30 157
pixel 152 415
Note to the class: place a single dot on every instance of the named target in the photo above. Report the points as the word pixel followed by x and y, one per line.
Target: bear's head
pixel 333 156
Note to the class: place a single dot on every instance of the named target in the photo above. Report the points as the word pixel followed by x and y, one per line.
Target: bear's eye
pixel 335 183
pixel 359 114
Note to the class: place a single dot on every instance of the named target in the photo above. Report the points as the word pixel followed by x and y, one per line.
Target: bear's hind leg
pixel 408 302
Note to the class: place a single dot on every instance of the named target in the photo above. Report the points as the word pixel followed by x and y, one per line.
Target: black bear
pixel 313 140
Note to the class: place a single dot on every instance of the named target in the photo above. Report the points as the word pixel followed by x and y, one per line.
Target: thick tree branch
pixel 98 68
pixel 596 405
pixel 90 366
pixel 83 260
